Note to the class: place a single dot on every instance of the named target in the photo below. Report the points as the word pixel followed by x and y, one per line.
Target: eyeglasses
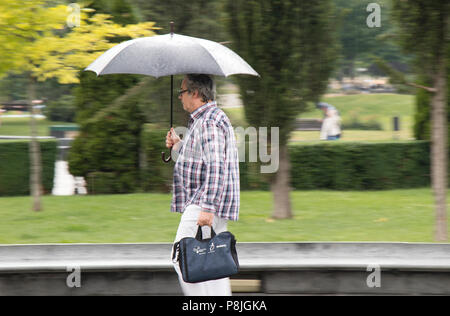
pixel 180 92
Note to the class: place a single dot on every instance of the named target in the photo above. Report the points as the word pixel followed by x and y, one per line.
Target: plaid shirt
pixel 206 172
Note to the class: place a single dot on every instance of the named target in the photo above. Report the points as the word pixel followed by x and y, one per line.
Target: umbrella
pixel 170 54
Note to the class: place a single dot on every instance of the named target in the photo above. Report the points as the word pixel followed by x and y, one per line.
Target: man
pixel 206 173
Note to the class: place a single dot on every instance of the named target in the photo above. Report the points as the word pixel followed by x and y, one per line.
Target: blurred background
pixel 88 149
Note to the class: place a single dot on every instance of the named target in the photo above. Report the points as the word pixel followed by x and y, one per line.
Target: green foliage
pixel 37 44
pixel 155 174
pixel 122 12
pixel 110 142
pixel 358 41
pixel 360 166
pixel 94 93
pixel 328 165
pixel 15 170
pixel 291 45
pixel 110 116
pixel 111 182
pixel 422 30
pixel 61 110
pixel 199 18
pixel 422 120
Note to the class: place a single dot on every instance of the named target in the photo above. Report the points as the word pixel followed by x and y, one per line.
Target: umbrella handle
pixel 163 156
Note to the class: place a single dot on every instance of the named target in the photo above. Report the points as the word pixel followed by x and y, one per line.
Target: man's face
pixel 186 97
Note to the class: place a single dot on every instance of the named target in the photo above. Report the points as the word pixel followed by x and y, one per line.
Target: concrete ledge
pixel 260 256
pixel 277 268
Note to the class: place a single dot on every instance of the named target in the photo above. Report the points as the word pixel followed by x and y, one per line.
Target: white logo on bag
pixel 212 247
pixel 198 250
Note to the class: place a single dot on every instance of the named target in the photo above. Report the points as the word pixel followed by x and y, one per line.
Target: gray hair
pixel 204 84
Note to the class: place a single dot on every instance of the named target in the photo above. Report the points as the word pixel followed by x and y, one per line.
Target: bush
pixel 109 143
pixel 111 182
pixel 15 169
pixel 62 110
pixel 360 166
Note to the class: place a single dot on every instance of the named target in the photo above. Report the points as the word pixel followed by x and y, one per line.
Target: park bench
pixel 308 125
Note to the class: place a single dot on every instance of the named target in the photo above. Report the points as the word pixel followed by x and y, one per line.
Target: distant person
pixel 331 123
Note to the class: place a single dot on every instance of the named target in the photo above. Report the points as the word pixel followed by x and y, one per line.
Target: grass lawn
pixel 19 126
pixel 299 137
pixel 380 108
pixel 398 215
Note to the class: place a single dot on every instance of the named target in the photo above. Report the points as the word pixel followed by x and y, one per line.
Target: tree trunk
pixel 34 152
pixel 439 149
pixel 281 186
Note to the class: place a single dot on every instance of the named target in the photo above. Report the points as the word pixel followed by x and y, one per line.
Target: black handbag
pixel 206 259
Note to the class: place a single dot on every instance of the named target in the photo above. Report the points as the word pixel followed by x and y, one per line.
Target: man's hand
pixel 205 219
pixel 172 138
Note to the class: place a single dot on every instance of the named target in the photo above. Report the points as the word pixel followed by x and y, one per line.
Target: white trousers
pixel 188 228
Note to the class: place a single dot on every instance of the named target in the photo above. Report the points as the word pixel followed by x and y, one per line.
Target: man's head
pixel 196 90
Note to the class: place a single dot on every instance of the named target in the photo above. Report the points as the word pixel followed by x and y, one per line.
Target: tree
pixel 37 41
pixel 200 18
pixel 291 44
pixel 424 31
pixel 359 37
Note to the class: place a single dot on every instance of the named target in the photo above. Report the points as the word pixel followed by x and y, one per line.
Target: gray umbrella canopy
pixel 170 54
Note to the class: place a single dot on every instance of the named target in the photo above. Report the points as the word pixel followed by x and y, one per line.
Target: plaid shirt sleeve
pixel 213 154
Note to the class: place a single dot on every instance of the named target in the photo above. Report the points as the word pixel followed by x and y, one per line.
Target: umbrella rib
pixel 220 67
pixel 214 59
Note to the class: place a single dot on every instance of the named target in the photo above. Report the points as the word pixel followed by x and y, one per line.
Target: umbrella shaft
pixel 171 101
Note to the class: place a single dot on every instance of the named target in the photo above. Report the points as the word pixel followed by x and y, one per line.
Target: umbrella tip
pixel 171 27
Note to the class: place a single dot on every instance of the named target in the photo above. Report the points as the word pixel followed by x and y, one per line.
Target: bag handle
pixel 175 252
pixel 199 235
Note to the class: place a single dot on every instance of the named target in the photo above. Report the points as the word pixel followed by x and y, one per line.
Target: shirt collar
pixel 198 112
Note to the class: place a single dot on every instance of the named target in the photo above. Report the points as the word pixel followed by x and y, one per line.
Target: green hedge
pixel 360 166
pixel 324 165
pixel 15 170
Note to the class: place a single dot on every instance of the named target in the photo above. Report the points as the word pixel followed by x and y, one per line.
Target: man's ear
pixel 195 94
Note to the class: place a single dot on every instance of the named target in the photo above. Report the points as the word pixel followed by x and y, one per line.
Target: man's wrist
pixel 177 146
